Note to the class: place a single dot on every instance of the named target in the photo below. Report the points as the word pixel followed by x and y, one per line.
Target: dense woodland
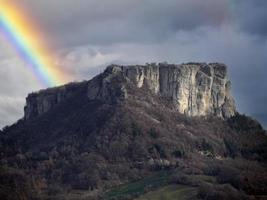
pixel 85 149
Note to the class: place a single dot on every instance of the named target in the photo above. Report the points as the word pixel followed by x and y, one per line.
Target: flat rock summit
pixel 194 89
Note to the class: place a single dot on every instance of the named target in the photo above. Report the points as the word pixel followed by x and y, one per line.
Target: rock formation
pixel 195 89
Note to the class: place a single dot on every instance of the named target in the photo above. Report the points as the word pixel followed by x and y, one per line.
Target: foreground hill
pixel 136 132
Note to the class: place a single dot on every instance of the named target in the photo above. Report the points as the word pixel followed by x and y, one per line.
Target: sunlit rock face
pixel 195 89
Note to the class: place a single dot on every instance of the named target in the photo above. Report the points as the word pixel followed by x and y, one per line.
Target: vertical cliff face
pixel 195 89
pixel 44 100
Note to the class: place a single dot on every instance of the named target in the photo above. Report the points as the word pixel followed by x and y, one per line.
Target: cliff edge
pixel 194 89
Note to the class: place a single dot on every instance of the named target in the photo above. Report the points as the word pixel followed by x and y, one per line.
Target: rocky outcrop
pixel 195 89
pixel 44 100
pixel 109 87
pixel 38 103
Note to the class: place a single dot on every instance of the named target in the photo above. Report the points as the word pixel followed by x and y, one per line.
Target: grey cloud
pixel 11 110
pixel 251 16
pixel 15 84
pixel 118 21
pixel 16 78
pixel 83 61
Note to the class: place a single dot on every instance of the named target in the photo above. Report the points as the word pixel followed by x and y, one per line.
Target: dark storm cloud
pixel 106 22
pixel 251 16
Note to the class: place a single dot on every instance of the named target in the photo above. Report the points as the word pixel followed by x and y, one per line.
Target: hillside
pixel 134 132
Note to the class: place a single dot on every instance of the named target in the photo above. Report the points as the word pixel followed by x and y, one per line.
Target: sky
pixel 86 36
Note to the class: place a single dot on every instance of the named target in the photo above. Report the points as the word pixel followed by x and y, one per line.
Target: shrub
pixel 229 175
pixel 153 133
pixel 211 169
pixel 14 185
pixel 219 192
pixel 206 146
pixel 54 189
pixel 86 181
pixel 180 178
pixel 178 153
pixel 160 150
pixel 39 156
pixel 231 148
pixel 136 131
pixel 244 123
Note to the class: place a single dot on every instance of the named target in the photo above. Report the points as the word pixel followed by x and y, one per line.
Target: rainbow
pixel 26 40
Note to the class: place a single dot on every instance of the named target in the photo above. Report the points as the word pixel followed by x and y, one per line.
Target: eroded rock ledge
pixel 195 89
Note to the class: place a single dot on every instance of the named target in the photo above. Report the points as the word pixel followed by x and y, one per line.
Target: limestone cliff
pixel 195 89
pixel 44 100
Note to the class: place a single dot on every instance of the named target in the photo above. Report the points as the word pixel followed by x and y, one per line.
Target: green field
pixel 139 187
pixel 156 187
pixel 171 192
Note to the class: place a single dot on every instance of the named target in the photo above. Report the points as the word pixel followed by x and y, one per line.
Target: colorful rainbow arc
pixel 21 35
